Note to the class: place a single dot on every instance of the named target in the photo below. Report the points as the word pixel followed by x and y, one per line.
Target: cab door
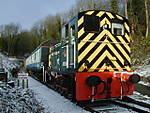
pixel 72 44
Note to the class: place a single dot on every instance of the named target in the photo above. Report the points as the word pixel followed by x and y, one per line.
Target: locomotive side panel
pixel 54 57
pixel 69 46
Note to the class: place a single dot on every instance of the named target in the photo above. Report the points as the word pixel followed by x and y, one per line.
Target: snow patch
pixel 17 100
pixel 143 71
pixel 52 101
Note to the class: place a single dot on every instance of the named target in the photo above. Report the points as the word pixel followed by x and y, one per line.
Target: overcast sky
pixel 27 12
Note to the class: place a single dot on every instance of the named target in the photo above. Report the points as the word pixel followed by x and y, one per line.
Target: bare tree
pixel 147 18
pixel 10 31
pixel 114 6
pixel 126 6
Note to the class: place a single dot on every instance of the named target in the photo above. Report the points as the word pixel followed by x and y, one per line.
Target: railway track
pixel 145 90
pixel 125 105
pixel 104 107
pixel 133 104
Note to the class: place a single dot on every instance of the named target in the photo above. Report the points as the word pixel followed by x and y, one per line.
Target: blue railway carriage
pixel 38 58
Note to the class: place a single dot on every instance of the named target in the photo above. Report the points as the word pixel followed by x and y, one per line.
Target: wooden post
pixel 43 74
pixel 147 18
pixel 18 82
pixel 6 76
pixel 23 83
pixel 27 83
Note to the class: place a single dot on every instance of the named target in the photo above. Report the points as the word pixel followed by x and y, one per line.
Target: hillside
pixel 140 51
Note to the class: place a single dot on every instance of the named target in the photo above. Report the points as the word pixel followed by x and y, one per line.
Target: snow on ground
pixel 52 101
pixel 145 83
pixel 144 68
pixel 5 63
pixel 8 64
pixel 18 100
pixel 144 71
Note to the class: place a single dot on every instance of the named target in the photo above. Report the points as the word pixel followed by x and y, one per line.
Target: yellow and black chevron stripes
pixel 100 13
pixel 125 44
pixel 98 38
pixel 81 32
pixel 91 45
pixel 99 54
pixel 81 20
pixel 103 50
pixel 127 37
pixel 127 27
pixel 110 15
pixel 86 38
pixel 119 17
pixel 101 58
pixel 89 12
pixel 104 21
pixel 120 47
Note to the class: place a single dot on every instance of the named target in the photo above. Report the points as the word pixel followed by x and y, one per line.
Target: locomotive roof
pixel 83 12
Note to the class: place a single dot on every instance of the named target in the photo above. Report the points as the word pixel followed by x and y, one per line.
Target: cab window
pixel 67 31
pixel 63 33
pixel 91 23
pixel 72 30
pixel 117 29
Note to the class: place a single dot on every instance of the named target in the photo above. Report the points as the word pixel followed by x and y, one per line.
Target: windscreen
pixel 91 23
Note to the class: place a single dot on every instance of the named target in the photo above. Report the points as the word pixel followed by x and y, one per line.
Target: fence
pixel 22 80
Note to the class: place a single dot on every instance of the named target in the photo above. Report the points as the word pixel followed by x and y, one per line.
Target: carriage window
pixel 117 29
pixel 35 56
pixel 91 23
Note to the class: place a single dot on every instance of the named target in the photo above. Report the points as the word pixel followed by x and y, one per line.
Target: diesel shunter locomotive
pixel 92 60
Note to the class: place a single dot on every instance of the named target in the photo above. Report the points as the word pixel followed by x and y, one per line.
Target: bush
pixel 17 100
